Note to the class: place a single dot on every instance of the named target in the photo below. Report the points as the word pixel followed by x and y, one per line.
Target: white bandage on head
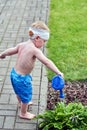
pixel 44 34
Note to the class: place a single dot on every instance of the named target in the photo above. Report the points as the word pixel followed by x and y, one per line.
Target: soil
pixel 74 92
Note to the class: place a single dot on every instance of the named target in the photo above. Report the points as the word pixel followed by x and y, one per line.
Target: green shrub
pixel 64 117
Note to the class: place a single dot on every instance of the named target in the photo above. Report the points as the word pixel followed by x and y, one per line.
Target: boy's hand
pixel 61 74
pixel 2 56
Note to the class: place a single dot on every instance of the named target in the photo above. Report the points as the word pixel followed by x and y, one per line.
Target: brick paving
pixel 15 18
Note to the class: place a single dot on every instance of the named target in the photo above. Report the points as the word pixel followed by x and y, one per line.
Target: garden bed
pixel 74 92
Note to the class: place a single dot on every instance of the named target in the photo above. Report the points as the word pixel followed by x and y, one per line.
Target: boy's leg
pixel 29 104
pixel 24 114
pixel 19 100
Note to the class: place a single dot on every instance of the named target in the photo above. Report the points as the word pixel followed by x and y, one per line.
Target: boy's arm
pixel 9 52
pixel 49 64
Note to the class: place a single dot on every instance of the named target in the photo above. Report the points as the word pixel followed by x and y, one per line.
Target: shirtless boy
pixel 27 53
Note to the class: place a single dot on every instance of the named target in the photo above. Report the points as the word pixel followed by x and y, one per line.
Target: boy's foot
pixel 27 116
pixel 29 104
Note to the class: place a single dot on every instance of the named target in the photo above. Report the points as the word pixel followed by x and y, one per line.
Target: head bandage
pixel 44 34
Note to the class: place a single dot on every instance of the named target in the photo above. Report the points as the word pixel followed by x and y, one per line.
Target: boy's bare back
pixel 26 57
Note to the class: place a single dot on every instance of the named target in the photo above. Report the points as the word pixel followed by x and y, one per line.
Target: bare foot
pixel 27 116
pixel 29 104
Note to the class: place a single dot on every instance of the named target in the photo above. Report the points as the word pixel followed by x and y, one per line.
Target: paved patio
pixel 15 18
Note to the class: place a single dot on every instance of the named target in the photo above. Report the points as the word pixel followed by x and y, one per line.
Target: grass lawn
pixel 67 46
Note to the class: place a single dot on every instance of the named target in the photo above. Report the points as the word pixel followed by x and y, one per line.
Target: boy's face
pixel 39 42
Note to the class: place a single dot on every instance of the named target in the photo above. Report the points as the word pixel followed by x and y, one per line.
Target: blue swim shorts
pixel 22 85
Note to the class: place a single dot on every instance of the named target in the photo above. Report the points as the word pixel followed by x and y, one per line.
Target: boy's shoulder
pixel 21 44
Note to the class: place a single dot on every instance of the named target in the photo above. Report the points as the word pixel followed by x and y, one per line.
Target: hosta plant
pixel 64 117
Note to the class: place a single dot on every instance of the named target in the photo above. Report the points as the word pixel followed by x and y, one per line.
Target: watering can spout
pixel 61 94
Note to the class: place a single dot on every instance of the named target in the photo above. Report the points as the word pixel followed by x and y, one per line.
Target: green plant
pixel 64 117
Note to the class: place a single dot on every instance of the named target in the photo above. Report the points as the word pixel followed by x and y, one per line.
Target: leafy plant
pixel 64 117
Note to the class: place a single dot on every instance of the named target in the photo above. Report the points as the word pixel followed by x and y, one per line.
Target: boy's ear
pixel 30 33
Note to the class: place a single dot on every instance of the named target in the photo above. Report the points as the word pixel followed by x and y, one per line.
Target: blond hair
pixel 40 25
pixel 39 28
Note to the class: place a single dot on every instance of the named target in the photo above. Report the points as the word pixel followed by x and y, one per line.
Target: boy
pixel 27 53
